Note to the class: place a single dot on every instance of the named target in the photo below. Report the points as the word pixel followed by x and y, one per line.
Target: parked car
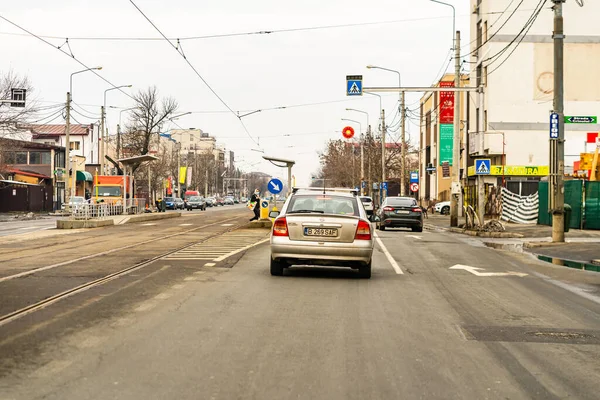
pixel 400 212
pixel 211 201
pixel 228 201
pixel 219 201
pixel 76 203
pixel 195 202
pixel 367 203
pixel 443 207
pixel 179 203
pixel 244 200
pixel 236 200
pixel 322 227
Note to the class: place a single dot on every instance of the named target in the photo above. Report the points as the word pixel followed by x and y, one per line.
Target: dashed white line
pixel 388 255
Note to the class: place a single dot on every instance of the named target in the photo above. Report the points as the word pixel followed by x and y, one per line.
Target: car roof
pixel 342 192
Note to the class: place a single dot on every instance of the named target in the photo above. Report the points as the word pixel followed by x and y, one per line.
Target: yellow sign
pixel 515 170
pixel 585 161
pixel 182 174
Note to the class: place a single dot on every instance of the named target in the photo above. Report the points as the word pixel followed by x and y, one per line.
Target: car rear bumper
pixel 402 222
pixel 326 253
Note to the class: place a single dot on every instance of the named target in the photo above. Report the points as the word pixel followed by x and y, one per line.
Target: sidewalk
pixel 581 249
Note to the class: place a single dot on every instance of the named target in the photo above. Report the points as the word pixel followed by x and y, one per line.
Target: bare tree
pixel 147 118
pixel 12 119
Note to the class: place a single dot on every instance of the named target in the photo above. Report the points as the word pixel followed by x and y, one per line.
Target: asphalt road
pixel 417 330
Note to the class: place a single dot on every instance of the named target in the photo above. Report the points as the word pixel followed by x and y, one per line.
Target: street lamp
pixel 119 130
pixel 403 119
pixel 103 134
pixel 453 18
pixel 71 193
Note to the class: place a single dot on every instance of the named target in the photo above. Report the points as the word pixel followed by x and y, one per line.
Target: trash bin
pixel 568 212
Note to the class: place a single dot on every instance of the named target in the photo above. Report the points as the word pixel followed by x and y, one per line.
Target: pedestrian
pixel 255 199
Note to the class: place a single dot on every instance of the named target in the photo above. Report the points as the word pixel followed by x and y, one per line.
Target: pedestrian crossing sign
pixel 483 166
pixel 354 85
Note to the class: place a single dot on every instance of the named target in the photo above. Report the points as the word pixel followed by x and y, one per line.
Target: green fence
pixel 592 205
pixel 573 197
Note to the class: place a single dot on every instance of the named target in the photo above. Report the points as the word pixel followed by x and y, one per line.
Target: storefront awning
pixel 84 176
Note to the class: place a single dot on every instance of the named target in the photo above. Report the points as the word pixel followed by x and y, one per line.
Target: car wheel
pixel 381 227
pixel 364 271
pixel 445 210
pixel 276 268
pixel 417 229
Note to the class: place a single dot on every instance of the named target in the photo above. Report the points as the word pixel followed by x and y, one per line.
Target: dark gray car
pixel 195 202
pixel 400 212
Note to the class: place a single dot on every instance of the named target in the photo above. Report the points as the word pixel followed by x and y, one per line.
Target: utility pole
pixel 403 154
pixel 480 178
pixel 101 139
pixel 68 150
pixel 383 177
pixel 118 141
pixel 557 149
pixel 455 190
pixel 362 159
pixel 179 169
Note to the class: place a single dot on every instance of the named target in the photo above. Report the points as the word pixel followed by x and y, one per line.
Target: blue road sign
pixel 364 184
pixel 414 177
pixel 554 126
pixel 384 185
pixel 354 85
pixel 483 166
pixel 264 204
pixel 275 186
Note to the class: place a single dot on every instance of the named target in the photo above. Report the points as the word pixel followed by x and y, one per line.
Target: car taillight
pixel 280 227
pixel 388 208
pixel 417 209
pixel 363 231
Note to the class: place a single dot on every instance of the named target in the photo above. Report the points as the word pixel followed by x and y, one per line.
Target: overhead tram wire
pixel 67 54
pixel 182 54
pixel 234 34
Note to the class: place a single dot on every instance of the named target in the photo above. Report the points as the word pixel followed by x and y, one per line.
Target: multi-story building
pixel 436 141
pixel 514 62
pixel 83 138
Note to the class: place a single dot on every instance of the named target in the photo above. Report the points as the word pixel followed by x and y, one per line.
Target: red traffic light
pixel 348 132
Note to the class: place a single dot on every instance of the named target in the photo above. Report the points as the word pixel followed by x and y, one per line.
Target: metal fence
pixel 106 210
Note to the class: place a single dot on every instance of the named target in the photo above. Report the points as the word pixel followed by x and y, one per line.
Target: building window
pixel 74 146
pixel 191 137
pixel 485 69
pixel 479 75
pixel 39 157
pixel 21 157
pixel 485 120
pixel 59 160
pixel 479 35
pixel 485 32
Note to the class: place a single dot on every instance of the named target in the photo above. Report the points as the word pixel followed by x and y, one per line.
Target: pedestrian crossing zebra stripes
pixel 221 247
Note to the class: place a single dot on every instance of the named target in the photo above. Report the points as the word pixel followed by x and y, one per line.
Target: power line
pixel 179 50
pixel 67 54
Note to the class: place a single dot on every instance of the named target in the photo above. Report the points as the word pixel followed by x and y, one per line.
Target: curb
pixel 98 223
pixel 497 235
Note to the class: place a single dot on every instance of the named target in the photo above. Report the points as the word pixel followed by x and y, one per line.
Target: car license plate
pixel 326 232
pixel 402 212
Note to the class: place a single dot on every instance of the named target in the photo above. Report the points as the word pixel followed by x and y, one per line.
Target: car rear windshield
pixel 195 198
pixel 366 200
pixel 402 202
pixel 323 204
pixel 169 199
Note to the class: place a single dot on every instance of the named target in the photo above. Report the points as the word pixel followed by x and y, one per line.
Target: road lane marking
pixel 415 237
pixel 210 264
pixel 388 255
pixel 185 224
pixel 475 271
pixel 150 224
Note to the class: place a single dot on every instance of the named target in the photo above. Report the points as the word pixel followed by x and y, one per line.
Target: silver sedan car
pixel 327 227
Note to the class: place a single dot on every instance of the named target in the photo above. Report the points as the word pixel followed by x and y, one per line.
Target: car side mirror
pixel 376 218
pixel 274 214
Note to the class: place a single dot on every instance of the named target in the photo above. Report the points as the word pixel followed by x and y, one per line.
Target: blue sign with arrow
pixel 275 186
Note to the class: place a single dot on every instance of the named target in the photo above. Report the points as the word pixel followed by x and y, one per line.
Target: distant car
pixel 367 203
pixel 76 203
pixel 244 200
pixel 179 203
pixel 228 201
pixel 322 227
pixel 219 201
pixel 400 212
pixel 211 202
pixel 196 202
pixel 169 203
pixel 236 200
pixel 443 207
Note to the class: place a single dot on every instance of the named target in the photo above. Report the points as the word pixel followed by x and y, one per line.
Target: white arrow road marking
pixel 388 255
pixel 475 271
pixel 415 237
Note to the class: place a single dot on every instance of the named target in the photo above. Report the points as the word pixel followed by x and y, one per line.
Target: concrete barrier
pixel 116 220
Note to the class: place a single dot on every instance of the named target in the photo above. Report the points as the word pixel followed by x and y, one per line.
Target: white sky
pixel 249 72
